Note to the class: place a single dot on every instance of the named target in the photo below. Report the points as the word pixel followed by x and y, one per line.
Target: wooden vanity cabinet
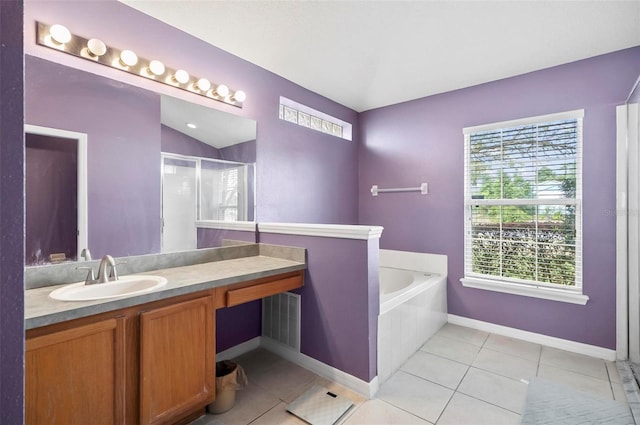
pixel 177 360
pixel 76 375
pixel 148 364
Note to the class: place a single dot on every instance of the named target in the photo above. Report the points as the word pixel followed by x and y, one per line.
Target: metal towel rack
pixel 423 189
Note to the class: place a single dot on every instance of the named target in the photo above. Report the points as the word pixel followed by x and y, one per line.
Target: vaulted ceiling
pixel 368 54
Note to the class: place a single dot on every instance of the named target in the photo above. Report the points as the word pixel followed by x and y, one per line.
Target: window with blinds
pixel 523 201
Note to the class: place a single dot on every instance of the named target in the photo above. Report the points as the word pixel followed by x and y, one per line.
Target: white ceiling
pixel 368 54
pixel 216 128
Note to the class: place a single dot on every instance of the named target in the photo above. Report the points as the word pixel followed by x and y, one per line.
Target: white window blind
pixel 523 201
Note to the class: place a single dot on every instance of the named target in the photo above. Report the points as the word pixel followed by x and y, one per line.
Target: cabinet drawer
pixel 255 292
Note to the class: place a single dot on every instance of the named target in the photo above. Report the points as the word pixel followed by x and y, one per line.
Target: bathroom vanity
pixel 146 359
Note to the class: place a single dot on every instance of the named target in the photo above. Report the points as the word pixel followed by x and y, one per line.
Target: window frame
pixel 571 294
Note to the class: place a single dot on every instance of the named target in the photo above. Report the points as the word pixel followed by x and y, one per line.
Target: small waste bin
pixel 230 377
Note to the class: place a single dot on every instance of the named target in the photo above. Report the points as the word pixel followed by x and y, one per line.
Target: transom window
pixel 523 202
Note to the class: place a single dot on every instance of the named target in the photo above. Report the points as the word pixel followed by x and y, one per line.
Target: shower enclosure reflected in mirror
pixel 127 129
pixel 196 189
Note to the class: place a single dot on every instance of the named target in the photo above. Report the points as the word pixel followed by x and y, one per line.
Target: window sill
pixel 526 291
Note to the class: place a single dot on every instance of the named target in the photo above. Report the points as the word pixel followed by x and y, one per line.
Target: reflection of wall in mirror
pixel 123 151
pixel 51 165
pixel 125 138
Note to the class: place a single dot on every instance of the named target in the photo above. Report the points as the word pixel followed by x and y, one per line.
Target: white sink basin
pixel 125 285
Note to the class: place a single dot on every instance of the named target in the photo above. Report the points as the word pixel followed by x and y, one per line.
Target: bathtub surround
pixel 11 213
pixel 411 315
pixel 422 140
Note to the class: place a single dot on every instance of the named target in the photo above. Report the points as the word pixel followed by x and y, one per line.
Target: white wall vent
pixel 281 319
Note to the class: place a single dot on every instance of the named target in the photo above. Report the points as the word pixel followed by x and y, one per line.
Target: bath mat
pixel 319 406
pixel 549 403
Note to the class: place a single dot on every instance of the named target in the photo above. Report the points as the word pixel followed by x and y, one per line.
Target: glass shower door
pixel 179 204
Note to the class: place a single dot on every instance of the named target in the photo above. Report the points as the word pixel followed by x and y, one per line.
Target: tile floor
pixel 460 376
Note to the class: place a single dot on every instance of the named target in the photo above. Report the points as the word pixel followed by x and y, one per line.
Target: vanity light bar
pixel 58 37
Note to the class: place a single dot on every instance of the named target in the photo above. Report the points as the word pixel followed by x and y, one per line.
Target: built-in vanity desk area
pixel 147 358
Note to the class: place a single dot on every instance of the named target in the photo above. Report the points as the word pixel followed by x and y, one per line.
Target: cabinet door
pixel 76 376
pixel 177 360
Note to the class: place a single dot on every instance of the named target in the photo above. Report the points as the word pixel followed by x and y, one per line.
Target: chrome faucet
pixel 86 254
pixel 103 276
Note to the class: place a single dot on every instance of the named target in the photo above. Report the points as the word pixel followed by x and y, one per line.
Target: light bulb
pixel 96 47
pixel 60 34
pixel 191 125
pixel 181 76
pixel 203 84
pixel 128 58
pixel 239 96
pixel 222 90
pixel 156 67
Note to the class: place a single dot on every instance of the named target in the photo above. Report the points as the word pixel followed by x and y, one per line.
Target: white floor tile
pixel 436 369
pixel 451 349
pixel 495 389
pixel 460 333
pixel 515 347
pixel 251 402
pixel 505 364
pixel 415 395
pixel 588 384
pixel 466 410
pixel 574 362
pixel 257 361
pixel 284 380
pixel 619 393
pixel 378 412
pixel 614 375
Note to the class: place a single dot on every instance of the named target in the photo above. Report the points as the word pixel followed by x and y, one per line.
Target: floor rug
pixel 549 403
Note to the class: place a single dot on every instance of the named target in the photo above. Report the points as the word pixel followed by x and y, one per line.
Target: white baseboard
pixel 367 389
pixel 550 341
pixel 239 349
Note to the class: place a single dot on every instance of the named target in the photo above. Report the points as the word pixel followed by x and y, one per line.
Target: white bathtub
pixel 413 305
pixel 399 285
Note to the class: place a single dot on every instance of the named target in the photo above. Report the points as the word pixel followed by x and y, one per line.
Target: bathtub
pixel 399 285
pixel 413 305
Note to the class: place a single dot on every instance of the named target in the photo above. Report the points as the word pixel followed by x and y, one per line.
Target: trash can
pixel 230 377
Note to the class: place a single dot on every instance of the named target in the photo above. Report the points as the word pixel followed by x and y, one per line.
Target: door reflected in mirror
pixel 127 128
pixel 55 195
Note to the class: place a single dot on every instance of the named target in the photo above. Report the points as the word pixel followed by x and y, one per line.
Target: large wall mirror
pixel 151 167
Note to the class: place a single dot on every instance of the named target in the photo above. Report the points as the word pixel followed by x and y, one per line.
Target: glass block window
pixel 304 116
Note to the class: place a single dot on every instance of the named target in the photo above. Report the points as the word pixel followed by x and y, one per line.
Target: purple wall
pixel 123 150
pixel 422 141
pixel 340 301
pixel 175 142
pixel 209 238
pixel 242 152
pixel 51 201
pixel 240 323
pixel 11 214
pixel 291 159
